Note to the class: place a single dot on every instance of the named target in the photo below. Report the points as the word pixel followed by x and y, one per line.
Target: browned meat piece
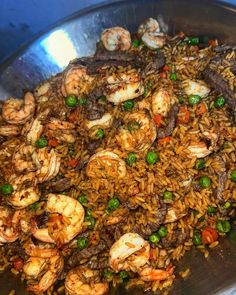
pixel 97 262
pixel 92 145
pixel 16 248
pixel 41 219
pixel 216 81
pixel 171 118
pixel 151 227
pixel 94 110
pixel 86 253
pixel 177 238
pixel 60 185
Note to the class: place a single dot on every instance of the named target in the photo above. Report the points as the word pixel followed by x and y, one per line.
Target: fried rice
pixel 171 183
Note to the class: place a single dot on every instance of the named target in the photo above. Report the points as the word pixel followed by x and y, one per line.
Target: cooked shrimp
pixel 151 274
pixel 104 122
pixel 139 133
pixel 151 35
pixel 197 87
pixel 35 128
pixel 200 149
pixel 150 25
pixel 47 163
pixel 8 233
pixel 84 281
pixel 45 270
pixel 17 111
pixel 130 252
pixel 22 158
pixel 116 38
pixel 173 215
pixel 106 164
pixel 70 210
pixel 76 81
pixel 61 130
pixel 124 86
pixel 162 102
pixel 39 251
pixel 25 190
pixel 9 130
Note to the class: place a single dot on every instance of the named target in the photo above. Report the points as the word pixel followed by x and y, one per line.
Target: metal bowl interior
pixel 77 36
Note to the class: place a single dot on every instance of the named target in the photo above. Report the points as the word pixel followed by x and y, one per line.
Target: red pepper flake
pixel 73 163
pixel 166 68
pixel 73 116
pixel 213 42
pixel 158 120
pixel 163 75
pixel 18 263
pixel 53 142
pixel 209 235
pixel 165 140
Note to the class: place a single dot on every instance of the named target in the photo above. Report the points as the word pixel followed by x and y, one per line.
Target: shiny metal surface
pixel 76 37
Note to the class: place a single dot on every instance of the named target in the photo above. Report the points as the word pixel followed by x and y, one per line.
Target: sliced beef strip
pixel 86 253
pixel 97 263
pixel 177 238
pixel 151 227
pixel 154 60
pixel 108 236
pixel 60 185
pixel 215 80
pixel 94 110
pixel 92 145
pixel 171 118
pixel 222 178
pixel 16 248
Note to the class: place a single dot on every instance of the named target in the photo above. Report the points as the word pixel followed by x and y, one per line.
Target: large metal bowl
pixel 77 36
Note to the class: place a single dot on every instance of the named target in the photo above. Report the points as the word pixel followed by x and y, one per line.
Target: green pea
pixel 181 99
pixel 128 105
pixel 71 101
pixel 194 99
pixel 193 40
pixel 123 275
pixel 88 212
pixel 173 76
pixel 131 159
pixel 197 238
pixel 113 204
pixel 82 199
pixel 100 133
pixel 82 242
pixel 136 43
pixel 201 219
pixel 195 212
pixel 233 175
pixel 107 273
pixel 219 102
pixel 102 100
pixel 82 101
pixel 41 142
pixel 199 164
pixel 131 126
pixel 205 181
pixel 168 195
pixel 154 238
pixel 91 221
pixel 6 189
pixel 162 231
pixel 152 158
pixel 34 206
pixel 223 226
pixel 211 210
pixel 227 205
